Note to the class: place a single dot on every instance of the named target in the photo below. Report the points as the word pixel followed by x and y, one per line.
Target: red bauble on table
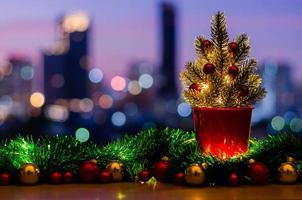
pixel 179 178
pixel 105 176
pixel 206 43
pixel 208 68
pixel 88 172
pixel 195 86
pixel 161 169
pixel 233 46
pixel 68 177
pixel 144 175
pixel 234 179
pixel 56 177
pixel 4 178
pixel 258 172
pixel 233 71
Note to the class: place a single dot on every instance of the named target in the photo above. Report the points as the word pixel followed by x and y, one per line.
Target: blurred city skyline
pixel 123 32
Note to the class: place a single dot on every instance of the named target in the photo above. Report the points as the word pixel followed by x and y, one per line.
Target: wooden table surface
pixel 138 191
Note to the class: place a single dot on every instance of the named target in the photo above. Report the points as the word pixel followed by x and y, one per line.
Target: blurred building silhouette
pixel 168 47
pixel 65 74
pixel 15 87
pixel 280 97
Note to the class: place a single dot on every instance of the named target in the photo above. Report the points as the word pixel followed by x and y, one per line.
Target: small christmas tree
pixel 222 75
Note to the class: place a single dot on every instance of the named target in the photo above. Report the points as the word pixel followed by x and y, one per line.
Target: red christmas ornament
pixel 88 171
pixel 4 178
pixel 105 176
pixel 195 86
pixel 160 170
pixel 144 175
pixel 243 90
pixel 209 68
pixel 234 179
pixel 233 46
pixel 179 178
pixel 68 177
pixel 259 173
pixel 206 43
pixel 56 177
pixel 233 71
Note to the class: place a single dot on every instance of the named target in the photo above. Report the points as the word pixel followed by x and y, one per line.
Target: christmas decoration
pixel 4 178
pixel 179 178
pixel 195 86
pixel 56 178
pixel 217 109
pixel 234 179
pixel 68 177
pixel 233 46
pixel 160 169
pixel 105 176
pixel 243 91
pixel 29 174
pixel 258 172
pixel 144 176
pixel 208 68
pixel 287 172
pixel 206 43
pixel 88 171
pixel 140 151
pixel 195 175
pixel 233 71
pixel 116 169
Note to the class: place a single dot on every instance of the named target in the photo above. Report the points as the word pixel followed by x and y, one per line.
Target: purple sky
pixel 125 31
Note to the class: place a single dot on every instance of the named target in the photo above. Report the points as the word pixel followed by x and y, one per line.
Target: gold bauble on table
pixel 116 168
pixel 288 172
pixel 195 175
pixel 29 174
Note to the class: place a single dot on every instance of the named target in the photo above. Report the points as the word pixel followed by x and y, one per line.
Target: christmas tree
pixel 222 75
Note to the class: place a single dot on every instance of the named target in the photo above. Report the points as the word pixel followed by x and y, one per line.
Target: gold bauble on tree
pixel 195 175
pixel 287 172
pixel 29 174
pixel 116 168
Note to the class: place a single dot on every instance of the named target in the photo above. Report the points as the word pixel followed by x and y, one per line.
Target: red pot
pixel 223 132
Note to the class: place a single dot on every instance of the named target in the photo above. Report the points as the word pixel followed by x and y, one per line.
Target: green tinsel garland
pixel 141 151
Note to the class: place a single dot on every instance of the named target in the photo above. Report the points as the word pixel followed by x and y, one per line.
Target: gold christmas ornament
pixel 29 174
pixel 288 172
pixel 116 168
pixel 195 175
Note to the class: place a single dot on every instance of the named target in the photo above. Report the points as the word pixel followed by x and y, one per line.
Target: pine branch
pixel 200 49
pixel 243 48
pixel 220 40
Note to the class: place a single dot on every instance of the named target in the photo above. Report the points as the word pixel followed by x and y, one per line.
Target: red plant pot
pixel 223 132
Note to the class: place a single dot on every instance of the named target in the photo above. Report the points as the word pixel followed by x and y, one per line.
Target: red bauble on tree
pixel 179 178
pixel 233 46
pixel 144 175
pixel 233 71
pixel 105 176
pixel 56 177
pixel 68 177
pixel 160 170
pixel 234 179
pixel 243 90
pixel 208 68
pixel 88 171
pixel 207 43
pixel 4 178
pixel 195 86
pixel 258 172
